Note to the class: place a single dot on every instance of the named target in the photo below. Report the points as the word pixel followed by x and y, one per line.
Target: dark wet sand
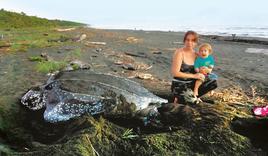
pixel 233 65
pixel 154 48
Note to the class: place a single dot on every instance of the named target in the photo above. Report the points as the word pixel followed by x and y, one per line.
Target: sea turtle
pixel 70 94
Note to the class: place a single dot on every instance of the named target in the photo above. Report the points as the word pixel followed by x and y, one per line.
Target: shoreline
pixel 242 39
pixel 226 37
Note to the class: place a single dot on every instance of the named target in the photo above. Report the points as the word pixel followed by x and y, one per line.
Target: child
pixel 203 64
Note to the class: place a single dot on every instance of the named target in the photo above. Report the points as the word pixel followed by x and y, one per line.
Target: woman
pixel 182 69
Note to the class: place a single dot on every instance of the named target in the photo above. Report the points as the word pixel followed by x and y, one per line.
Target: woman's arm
pixel 176 66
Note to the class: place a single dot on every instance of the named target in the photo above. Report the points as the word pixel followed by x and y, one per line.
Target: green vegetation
pixel 74 54
pixel 18 40
pixel 21 20
pixel 4 150
pixel 75 66
pixel 129 134
pixel 44 66
pixel 40 38
pixel 97 136
pixel 20 32
pixel 50 66
pixel 4 44
pixel 36 58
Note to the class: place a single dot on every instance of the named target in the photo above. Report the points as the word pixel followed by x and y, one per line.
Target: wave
pixel 244 31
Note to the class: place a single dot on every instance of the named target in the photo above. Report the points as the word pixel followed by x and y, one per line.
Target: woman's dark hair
pixel 191 33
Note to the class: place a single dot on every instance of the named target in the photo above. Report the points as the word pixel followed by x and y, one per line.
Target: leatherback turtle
pixel 70 94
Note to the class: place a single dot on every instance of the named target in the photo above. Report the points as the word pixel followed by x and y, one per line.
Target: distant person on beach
pixel 182 69
pixel 204 64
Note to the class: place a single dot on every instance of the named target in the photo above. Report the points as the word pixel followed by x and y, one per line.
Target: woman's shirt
pixel 185 68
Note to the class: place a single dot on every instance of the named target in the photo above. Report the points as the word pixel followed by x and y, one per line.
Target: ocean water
pixel 243 31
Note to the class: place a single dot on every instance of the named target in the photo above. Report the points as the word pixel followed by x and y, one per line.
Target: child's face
pixel 203 52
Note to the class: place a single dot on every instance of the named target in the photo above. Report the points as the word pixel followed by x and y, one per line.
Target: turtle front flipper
pixel 72 105
pixel 33 99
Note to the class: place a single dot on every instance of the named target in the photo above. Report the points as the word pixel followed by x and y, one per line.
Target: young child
pixel 203 64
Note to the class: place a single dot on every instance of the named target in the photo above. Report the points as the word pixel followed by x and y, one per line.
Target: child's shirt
pixel 207 62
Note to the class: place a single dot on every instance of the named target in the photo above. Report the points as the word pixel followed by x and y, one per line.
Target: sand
pixel 138 55
pixel 149 52
pixel 234 64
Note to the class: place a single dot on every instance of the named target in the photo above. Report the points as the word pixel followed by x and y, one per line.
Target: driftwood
pixel 132 40
pixel 140 54
pixel 63 30
pixel 95 43
pixel 82 37
pixel 5 44
pixel 157 52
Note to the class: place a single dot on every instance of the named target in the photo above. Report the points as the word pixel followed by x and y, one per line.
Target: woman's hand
pixel 199 76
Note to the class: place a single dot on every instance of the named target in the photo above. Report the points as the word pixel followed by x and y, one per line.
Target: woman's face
pixel 190 41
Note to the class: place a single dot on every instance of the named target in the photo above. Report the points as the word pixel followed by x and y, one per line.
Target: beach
pixel 235 63
pixel 144 57
pixel 243 61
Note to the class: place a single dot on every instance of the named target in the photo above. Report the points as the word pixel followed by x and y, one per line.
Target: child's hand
pixel 204 70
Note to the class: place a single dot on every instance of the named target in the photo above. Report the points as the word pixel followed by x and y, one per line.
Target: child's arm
pixel 211 66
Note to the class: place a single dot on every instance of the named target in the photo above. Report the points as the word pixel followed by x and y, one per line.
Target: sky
pixel 151 14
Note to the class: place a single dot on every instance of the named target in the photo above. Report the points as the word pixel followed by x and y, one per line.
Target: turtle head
pixel 33 99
